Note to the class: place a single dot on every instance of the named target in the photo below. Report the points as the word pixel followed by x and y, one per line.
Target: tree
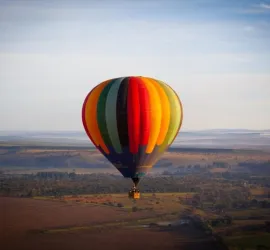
pixel 134 209
pixel 120 205
pixel 220 206
pixel 253 202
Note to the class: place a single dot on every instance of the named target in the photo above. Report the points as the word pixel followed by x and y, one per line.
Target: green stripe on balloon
pixel 101 115
pixel 110 115
pixel 176 109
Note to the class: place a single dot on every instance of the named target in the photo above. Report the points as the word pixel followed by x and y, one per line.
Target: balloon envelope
pixel 132 121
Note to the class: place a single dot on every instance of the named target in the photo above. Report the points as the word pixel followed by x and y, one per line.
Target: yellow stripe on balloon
pixel 165 111
pixel 155 114
pixel 176 115
pixel 91 116
pixel 180 115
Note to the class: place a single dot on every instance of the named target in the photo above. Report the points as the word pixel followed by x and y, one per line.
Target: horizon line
pixel 184 130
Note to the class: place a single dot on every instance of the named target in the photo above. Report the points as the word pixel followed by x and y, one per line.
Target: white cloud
pixel 265 6
pixel 40 91
pixel 249 28
pixel 256 9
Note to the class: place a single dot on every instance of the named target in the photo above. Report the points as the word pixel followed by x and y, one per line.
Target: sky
pixel 214 53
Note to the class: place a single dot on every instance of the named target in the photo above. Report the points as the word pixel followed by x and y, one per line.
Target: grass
pixel 136 222
pixel 168 194
pixel 258 191
pixel 43 197
pixel 248 222
pixel 173 197
pixel 72 229
pixel 249 242
pixel 63 230
pixel 243 213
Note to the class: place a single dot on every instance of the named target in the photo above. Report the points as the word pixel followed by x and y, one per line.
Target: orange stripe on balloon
pixel 84 120
pixel 165 111
pixel 90 113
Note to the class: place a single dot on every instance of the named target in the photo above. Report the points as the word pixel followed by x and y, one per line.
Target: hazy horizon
pixel 230 139
pixel 215 54
pixel 182 130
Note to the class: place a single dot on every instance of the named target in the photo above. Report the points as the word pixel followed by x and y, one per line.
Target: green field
pixel 249 241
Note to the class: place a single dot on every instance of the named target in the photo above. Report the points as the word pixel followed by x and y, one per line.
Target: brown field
pixel 219 170
pixel 43 224
pixel 162 203
pixel 176 157
pixel 205 157
pixel 31 151
pixel 27 159
pixel 22 218
pixel 259 191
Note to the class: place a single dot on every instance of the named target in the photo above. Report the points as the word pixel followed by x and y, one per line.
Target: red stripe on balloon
pixel 133 103
pixel 144 113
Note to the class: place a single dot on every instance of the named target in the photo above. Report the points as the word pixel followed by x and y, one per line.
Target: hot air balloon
pixel 132 121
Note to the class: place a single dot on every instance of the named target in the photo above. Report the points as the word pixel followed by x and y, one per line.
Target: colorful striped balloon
pixel 132 121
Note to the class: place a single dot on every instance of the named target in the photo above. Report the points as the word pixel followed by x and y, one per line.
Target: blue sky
pixel 215 54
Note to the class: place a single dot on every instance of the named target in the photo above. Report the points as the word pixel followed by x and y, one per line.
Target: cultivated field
pixel 66 224
pixel 72 198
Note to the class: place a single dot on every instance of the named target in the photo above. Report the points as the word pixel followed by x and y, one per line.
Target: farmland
pixel 69 197
pixel 65 224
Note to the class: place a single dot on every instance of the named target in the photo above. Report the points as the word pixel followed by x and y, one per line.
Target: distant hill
pixel 214 138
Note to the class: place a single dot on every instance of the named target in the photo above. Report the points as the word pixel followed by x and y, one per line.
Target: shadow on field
pixel 188 237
